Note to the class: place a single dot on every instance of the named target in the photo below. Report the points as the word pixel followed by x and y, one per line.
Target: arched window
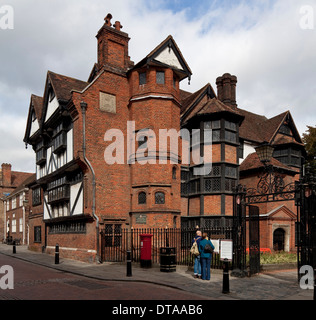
pixel 159 198
pixel 142 198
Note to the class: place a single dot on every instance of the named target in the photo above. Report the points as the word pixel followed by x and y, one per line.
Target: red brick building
pixel 102 162
pixel 11 185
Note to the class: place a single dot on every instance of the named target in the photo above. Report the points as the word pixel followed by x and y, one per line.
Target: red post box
pixel 145 250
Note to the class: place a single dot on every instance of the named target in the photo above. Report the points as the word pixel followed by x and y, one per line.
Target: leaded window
pixel 113 235
pixel 212 185
pixel 37 234
pixel 230 131
pixel 59 142
pixel 160 77
pixel 231 172
pixel 142 78
pixel 142 198
pixel 159 198
pixel 215 126
pixel 58 190
pixel 36 196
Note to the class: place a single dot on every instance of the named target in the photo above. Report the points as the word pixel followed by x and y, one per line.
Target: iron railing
pixel 114 245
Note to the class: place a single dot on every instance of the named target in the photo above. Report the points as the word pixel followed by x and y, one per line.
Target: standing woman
pixel 206 257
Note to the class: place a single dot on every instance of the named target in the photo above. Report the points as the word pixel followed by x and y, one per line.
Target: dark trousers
pixel 206 268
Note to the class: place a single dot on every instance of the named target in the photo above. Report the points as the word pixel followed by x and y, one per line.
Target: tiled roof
pixel 63 85
pixel 189 99
pixel 19 177
pixel 258 128
pixel 25 180
pixel 252 162
pixel 38 106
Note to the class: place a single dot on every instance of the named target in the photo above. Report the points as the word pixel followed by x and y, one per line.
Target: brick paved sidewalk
pixel 273 285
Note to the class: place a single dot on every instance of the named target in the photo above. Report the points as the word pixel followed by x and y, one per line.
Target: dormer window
pixel 160 77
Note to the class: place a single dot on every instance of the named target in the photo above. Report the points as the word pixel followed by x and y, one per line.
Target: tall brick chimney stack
pixel 6 174
pixel 113 46
pixel 226 89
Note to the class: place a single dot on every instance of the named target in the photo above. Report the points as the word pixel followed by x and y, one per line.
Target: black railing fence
pixel 115 244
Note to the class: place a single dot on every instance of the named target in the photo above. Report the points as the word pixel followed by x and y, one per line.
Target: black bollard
pixel 14 247
pixel 57 254
pixel 129 264
pixel 225 277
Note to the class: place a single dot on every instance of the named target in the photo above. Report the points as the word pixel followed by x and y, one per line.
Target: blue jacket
pixel 201 248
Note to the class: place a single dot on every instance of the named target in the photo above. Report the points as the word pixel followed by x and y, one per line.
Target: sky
pixel 269 45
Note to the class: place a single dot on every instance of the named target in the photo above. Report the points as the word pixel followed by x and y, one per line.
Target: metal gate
pixel 254 240
pixel 306 222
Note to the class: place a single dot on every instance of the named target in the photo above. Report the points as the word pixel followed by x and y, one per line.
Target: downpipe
pixel 84 108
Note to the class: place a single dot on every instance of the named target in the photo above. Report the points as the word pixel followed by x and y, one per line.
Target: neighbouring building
pixel 16 213
pixel 9 182
pixel 103 165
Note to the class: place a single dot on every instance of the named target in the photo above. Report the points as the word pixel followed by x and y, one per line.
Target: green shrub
pixel 278 257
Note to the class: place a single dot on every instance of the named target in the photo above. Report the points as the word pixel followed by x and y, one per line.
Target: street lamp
pixel 264 152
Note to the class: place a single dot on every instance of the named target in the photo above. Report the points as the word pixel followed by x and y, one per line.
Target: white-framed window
pixel 13 202
pixel 21 198
pixel 13 226
pixel 8 205
pixel 21 225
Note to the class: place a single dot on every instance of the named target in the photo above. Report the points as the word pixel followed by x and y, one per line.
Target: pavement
pixel 269 285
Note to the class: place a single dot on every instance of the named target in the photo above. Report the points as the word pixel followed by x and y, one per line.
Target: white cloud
pixel 260 42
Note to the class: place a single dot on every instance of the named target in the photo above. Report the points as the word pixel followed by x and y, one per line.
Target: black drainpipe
pixel 84 108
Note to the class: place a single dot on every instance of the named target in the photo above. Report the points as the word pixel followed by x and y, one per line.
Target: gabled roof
pixel 196 105
pixel 167 53
pixel 63 85
pixel 258 128
pixel 283 208
pixel 191 99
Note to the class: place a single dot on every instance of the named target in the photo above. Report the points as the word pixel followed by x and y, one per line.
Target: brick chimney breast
pixel 6 174
pixel 113 46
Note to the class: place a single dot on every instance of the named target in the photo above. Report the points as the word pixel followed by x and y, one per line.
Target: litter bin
pixel 167 259
pixel 145 250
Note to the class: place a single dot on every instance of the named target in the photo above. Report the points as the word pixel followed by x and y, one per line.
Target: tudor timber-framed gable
pixel 57 172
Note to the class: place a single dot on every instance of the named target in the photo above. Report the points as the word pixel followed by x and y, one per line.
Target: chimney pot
pixel 107 20
pixel 118 25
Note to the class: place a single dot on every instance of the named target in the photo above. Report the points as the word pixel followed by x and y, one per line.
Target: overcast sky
pixel 269 45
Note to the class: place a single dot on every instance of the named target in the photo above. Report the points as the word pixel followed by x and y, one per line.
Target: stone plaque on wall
pixel 107 102
pixel 141 219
